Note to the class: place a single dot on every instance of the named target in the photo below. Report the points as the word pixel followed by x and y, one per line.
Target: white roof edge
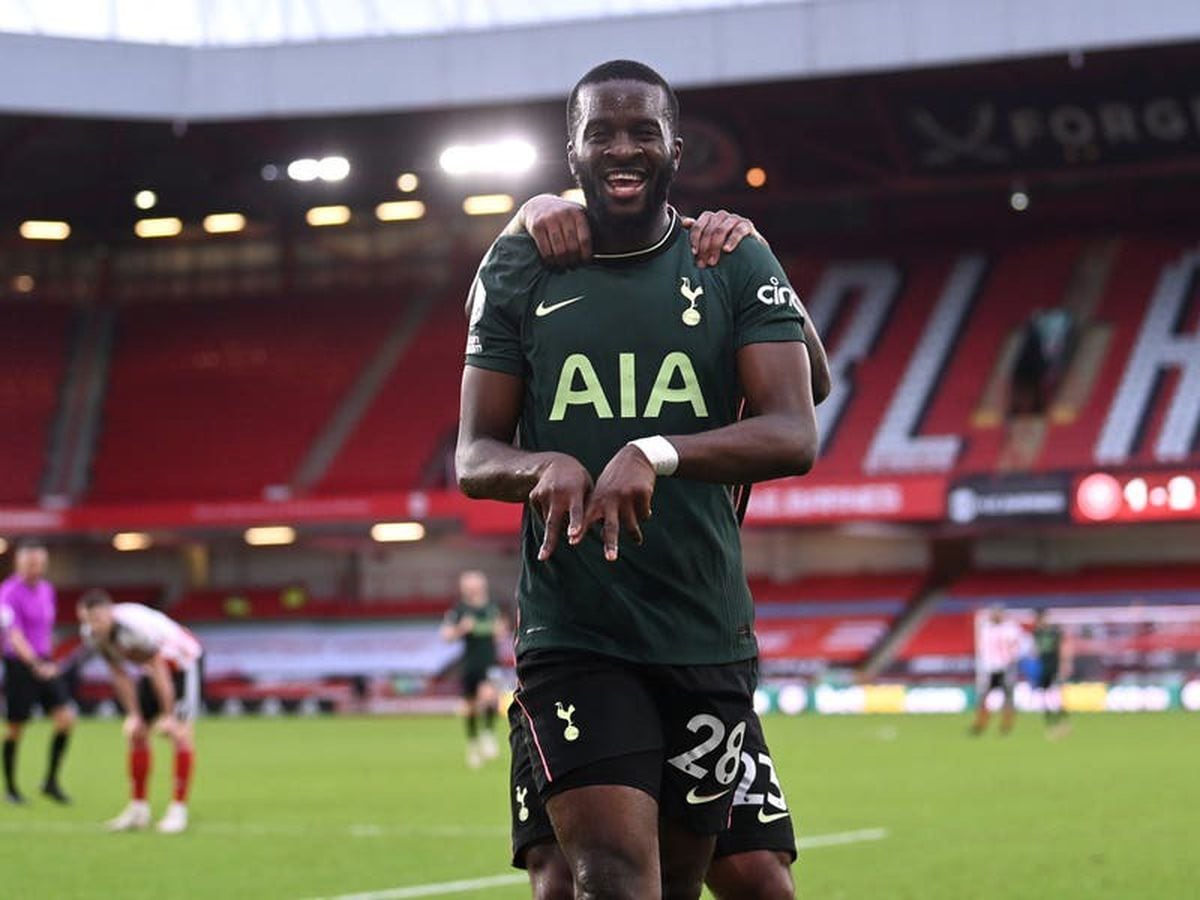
pixel 59 76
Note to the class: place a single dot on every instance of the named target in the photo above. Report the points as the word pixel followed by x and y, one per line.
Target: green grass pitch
pixel 301 808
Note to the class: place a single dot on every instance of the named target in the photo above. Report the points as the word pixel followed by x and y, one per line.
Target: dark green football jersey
pixel 629 346
pixel 479 644
pixel 1048 640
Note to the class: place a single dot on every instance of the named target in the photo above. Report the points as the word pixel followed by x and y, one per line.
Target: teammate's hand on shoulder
pixel 714 233
pixel 621 499
pixel 559 228
pixel 562 488
pixel 134 727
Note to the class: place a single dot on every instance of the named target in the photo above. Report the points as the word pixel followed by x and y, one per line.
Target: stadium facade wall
pixel 694 49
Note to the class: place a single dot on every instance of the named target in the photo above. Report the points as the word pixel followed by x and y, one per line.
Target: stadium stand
pixel 179 422
pixel 948 634
pixel 34 344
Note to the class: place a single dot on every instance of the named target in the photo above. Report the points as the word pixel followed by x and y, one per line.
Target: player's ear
pixel 572 159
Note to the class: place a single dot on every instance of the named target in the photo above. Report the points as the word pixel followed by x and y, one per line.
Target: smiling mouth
pixel 625 183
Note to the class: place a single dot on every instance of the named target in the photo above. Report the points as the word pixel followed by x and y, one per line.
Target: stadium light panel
pixel 322 216
pixel 397 532
pixel 400 211
pixel 127 541
pixel 23 284
pixel 224 223
pixel 3 545
pixel 42 230
pixel 756 176
pixel 333 168
pixel 509 157
pixel 1019 201
pixel 145 199
pixel 488 204
pixel 408 182
pixel 575 195
pixel 304 169
pixel 270 536
pixel 157 228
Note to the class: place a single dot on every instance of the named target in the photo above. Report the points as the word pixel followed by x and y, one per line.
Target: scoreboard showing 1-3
pixel 1155 496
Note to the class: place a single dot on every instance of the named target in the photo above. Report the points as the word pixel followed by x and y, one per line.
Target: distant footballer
pixel 166 697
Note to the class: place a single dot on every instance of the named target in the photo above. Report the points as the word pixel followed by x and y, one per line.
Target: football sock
pixel 183 772
pixel 472 725
pixel 58 747
pixel 139 767
pixel 10 764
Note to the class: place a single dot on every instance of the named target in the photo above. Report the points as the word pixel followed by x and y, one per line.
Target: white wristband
pixel 663 456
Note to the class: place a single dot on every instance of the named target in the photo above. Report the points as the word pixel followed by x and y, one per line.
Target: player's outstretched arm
pixel 491 468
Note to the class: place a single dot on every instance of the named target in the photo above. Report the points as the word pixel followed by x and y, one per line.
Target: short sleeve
pixel 497 302
pixel 766 308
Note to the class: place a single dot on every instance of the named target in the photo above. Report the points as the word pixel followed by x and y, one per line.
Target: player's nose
pixel 622 147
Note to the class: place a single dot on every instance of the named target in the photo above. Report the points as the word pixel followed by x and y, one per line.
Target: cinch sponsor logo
pixel 579 385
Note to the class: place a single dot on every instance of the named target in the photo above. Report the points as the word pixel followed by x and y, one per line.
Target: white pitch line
pixel 433 890
pixel 836 839
pixel 267 829
pixel 839 838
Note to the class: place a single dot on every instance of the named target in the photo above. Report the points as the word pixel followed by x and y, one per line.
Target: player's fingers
pixel 706 251
pixel 696 233
pixel 583 234
pixel 687 221
pixel 541 238
pixel 550 538
pixel 611 532
pixel 570 237
pixel 742 229
pixel 575 522
pixel 558 244
pixel 629 521
pixel 641 506
pixel 715 235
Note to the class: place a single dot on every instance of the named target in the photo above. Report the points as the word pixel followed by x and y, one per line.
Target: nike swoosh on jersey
pixel 696 799
pixel 544 310
pixel 767 818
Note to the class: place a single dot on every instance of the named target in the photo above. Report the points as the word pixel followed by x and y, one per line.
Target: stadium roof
pixel 231 23
pixel 331 57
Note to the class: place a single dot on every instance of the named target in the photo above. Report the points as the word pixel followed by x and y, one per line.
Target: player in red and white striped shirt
pixel 167 696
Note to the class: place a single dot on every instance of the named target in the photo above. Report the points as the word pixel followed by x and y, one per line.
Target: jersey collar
pixel 645 252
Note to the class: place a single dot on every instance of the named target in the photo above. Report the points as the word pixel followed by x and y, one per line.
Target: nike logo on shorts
pixel 767 818
pixel 696 799
pixel 544 310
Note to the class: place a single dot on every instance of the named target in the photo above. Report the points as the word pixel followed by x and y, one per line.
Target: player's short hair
pixel 622 70
pixel 30 543
pixel 95 597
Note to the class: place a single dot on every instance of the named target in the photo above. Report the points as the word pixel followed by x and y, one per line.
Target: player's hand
pixel 562 489
pixel 466 624
pixel 45 670
pixel 621 499
pixel 167 726
pixel 559 228
pixel 134 727
pixel 714 233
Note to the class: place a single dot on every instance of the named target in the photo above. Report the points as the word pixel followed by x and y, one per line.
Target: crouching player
pixel 166 697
